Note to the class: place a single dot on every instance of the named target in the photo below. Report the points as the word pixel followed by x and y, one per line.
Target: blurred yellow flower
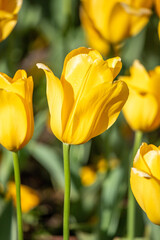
pixel 102 165
pixel 29 197
pixel 112 21
pixel 85 101
pixel 16 113
pixel 87 175
pixel 145 180
pixel 142 109
pixel 8 16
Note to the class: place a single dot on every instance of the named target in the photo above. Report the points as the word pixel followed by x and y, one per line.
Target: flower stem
pixel 66 209
pixel 18 195
pixel 131 200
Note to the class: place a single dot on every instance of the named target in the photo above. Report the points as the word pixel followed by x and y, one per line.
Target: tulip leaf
pixel 49 158
pixel 6 167
pixel 40 121
pixel 111 197
pixel 155 231
pixel 7 231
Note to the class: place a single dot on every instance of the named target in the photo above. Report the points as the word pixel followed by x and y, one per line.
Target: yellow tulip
pixel 145 180
pixel 85 101
pixel 16 113
pixel 8 16
pixel 88 176
pixel 113 21
pixel 142 109
pixel 29 197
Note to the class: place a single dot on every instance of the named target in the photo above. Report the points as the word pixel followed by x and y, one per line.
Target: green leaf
pixel 6 167
pixel 48 157
pixel 7 232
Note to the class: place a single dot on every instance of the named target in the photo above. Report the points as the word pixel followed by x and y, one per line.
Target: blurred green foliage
pixel 46 31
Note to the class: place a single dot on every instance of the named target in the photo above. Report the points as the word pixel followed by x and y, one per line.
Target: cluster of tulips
pixel 87 99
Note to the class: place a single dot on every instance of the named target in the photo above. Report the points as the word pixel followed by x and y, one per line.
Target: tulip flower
pixel 142 109
pixel 88 176
pixel 29 197
pixel 145 180
pixel 85 101
pixel 16 113
pixel 111 22
pixel 8 16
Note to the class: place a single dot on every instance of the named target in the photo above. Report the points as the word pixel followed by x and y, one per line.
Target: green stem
pixel 66 210
pixel 131 200
pixel 18 195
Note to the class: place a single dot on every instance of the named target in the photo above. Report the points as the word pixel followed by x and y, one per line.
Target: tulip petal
pixel 55 98
pixel 116 100
pixel 13 121
pixel 29 109
pixel 157 5
pixel 94 37
pixel 16 86
pixel 120 17
pixel 139 162
pixel 20 74
pixel 147 193
pixel 115 65
pixel 152 159
pixel 142 117
pixel 96 112
pixel 7 26
pixel 77 67
pixel 139 79
pixel 11 6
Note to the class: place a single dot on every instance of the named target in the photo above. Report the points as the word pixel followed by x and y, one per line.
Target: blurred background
pixel 46 32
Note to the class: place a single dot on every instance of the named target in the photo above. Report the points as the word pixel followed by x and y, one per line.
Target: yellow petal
pixel 94 37
pixel 13 121
pixel 11 6
pixel 115 65
pixel 96 112
pixel 154 83
pixel 139 162
pixel 138 116
pixel 55 98
pixel 152 159
pixel 29 110
pixel 16 86
pixel 77 67
pixel 139 79
pixel 147 193
pixel 7 26
pixel 118 17
pixel 157 5
pixel 20 74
